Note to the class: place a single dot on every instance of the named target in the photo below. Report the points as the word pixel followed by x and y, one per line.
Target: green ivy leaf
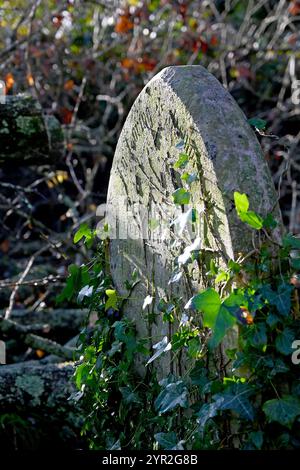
pixel 281 299
pixel 295 263
pixel 82 372
pixel 78 277
pixel 289 241
pixel 215 316
pixel 189 178
pixel 163 346
pixel 258 123
pixel 168 441
pixel 241 202
pixel 194 347
pixel 236 398
pixel 181 196
pixel 252 219
pixel 272 320
pixel 257 438
pixel 249 217
pixel 182 161
pixel 174 394
pixel 223 276
pixel 284 341
pixel 129 396
pixel 223 322
pixel 235 300
pixel 207 412
pixel 112 301
pixel 282 410
pixel 83 231
pixel 269 222
pixel 257 335
pixel 208 302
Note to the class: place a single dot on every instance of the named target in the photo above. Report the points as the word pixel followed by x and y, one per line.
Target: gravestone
pixel 182 109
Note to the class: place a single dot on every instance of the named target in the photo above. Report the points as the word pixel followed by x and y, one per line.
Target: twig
pixel 33 282
pixel 19 282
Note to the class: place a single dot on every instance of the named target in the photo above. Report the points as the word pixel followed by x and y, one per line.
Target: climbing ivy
pixel 250 402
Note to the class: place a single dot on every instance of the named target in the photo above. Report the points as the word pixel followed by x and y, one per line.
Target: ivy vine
pixel 250 402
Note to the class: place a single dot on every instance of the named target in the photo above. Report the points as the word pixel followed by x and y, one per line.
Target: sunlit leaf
pixel 181 196
pixel 173 395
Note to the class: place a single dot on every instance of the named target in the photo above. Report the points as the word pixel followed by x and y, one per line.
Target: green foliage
pixel 84 232
pixel 282 410
pixel 256 392
pixel 181 196
pixel 249 217
pixel 258 123
pixel 172 395
pixel 168 441
pixel 182 161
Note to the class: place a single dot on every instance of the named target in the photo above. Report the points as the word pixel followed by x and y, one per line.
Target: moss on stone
pixel 33 385
pixel 28 125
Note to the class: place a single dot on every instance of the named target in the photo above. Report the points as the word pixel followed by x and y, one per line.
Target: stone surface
pixel 39 396
pixel 26 136
pixel 184 106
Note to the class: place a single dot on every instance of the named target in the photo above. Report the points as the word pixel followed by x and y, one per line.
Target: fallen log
pixel 26 135
pixel 15 330
pixel 31 384
pixel 57 319
pixel 35 409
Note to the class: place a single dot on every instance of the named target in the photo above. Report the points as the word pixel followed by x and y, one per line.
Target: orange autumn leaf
pixel 294 9
pixel 40 353
pixel 246 315
pixel 123 24
pixel 66 115
pixel 199 44
pixel 69 85
pixel 145 65
pixel 214 40
pixel 127 63
pixel 9 81
pixel 30 80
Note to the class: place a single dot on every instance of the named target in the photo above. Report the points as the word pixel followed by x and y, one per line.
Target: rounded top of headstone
pixel 187 103
pixel 182 109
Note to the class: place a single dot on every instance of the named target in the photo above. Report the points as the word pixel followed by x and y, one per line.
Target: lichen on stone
pixel 28 125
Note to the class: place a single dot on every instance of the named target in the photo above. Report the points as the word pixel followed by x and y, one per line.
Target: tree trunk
pixel 25 134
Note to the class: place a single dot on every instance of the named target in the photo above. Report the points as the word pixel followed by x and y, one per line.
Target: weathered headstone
pixel 182 106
